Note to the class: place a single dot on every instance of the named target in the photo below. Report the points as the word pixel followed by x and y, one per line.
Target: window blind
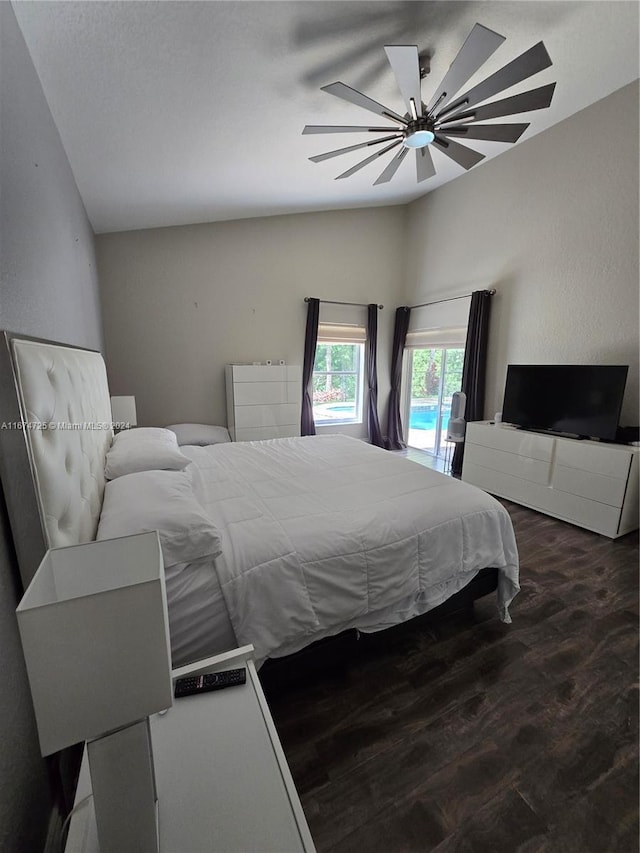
pixel 452 336
pixel 439 326
pixel 341 333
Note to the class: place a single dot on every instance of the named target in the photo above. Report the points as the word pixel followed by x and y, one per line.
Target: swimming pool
pixel 425 416
pixel 334 412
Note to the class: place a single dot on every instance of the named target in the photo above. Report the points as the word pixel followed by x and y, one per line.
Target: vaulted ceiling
pixel 181 112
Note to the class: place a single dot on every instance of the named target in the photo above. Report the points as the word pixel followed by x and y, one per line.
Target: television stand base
pixel 588 483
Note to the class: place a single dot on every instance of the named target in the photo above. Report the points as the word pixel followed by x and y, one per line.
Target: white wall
pixel 47 263
pixel 179 303
pixel 48 288
pixel 552 224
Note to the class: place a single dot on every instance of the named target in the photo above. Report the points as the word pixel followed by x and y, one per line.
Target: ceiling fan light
pixel 418 139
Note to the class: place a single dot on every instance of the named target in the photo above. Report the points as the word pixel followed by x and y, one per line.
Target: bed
pixel 281 543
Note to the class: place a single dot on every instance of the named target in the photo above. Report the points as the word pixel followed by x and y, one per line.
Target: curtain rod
pixel 332 302
pixel 451 299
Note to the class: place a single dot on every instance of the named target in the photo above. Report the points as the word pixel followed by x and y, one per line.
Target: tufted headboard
pixel 55 431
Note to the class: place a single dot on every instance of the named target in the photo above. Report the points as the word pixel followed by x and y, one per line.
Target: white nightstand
pixel 223 781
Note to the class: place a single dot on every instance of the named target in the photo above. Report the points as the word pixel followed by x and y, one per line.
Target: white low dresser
pixel 263 401
pixel 223 781
pixel 588 483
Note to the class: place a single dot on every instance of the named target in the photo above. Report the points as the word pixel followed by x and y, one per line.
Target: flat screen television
pixel 578 400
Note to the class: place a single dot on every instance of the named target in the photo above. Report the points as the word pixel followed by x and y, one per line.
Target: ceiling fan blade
pixel 491 132
pixel 367 160
pixel 534 99
pixel 528 63
pixel 320 157
pixel 345 128
pixel 341 90
pixel 465 157
pixel 424 164
pixel 406 68
pixel 480 44
pixel 392 168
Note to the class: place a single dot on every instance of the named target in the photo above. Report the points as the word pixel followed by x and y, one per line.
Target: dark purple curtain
pixel 395 440
pixel 474 367
pixel 307 425
pixel 370 361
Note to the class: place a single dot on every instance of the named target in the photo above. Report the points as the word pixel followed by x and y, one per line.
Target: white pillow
pixel 147 449
pixel 162 501
pixel 200 434
pixel 138 433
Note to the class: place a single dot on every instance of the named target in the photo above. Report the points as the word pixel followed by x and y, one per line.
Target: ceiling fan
pixel 444 118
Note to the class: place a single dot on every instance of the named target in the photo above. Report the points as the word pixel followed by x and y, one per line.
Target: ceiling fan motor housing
pixel 419 133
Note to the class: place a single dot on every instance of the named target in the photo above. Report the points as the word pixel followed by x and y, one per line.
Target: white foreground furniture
pixel 588 483
pixel 95 636
pixel 263 401
pixel 223 781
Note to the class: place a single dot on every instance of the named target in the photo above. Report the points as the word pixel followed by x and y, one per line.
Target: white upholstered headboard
pixel 62 397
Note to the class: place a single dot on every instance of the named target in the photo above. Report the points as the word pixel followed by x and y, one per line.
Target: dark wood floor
pixel 475 736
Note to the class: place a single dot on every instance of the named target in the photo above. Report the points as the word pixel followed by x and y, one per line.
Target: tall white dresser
pixel 263 401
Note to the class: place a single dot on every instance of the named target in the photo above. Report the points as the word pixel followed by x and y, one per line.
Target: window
pixel 434 355
pixel 434 373
pixel 338 375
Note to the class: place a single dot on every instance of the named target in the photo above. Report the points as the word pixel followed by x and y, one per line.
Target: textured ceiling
pixel 181 112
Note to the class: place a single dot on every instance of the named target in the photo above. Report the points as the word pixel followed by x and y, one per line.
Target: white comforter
pixel 327 532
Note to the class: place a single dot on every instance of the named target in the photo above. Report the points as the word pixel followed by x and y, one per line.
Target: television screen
pixel 582 400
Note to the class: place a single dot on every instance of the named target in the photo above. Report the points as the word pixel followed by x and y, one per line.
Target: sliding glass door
pixel 433 374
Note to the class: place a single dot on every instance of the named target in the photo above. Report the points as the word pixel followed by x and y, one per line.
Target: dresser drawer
pixel 575 509
pixel 534 470
pixel 586 484
pixel 610 461
pixel 266 372
pixel 578 510
pixel 263 416
pixel 251 393
pixel 511 440
pixel 258 373
pixel 496 482
pixel 263 433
